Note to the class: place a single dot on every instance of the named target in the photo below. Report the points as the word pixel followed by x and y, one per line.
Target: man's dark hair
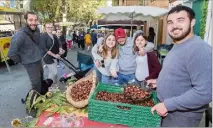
pixel 178 8
pixel 29 12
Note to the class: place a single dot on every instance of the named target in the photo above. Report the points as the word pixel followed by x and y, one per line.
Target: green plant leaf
pixel 203 20
pixel 30 124
pixel 86 110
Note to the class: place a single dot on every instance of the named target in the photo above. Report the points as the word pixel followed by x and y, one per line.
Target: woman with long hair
pixel 148 66
pixel 106 60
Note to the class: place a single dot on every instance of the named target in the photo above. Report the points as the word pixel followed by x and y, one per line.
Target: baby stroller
pixel 85 64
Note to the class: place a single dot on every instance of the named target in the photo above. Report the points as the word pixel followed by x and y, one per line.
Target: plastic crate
pixel 108 112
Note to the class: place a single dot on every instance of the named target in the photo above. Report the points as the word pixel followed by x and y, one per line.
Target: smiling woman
pixel 106 59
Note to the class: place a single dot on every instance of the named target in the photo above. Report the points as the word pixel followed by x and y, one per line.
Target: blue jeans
pixel 125 79
pixel 109 80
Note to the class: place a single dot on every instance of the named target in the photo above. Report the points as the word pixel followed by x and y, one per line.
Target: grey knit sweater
pixel 185 81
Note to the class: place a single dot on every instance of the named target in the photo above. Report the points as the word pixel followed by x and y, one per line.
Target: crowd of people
pixel 183 83
pixel 82 39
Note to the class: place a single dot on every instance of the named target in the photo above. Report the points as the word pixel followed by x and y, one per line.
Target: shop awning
pixel 4 10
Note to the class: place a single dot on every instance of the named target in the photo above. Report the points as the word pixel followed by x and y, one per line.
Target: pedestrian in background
pixel 69 39
pixel 94 37
pixel 81 40
pixel 151 37
pixel 88 40
pixel 74 38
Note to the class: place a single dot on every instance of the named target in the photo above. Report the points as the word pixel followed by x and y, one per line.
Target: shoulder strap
pixel 46 36
pixel 30 36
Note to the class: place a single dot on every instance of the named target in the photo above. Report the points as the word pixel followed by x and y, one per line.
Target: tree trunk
pixel 64 16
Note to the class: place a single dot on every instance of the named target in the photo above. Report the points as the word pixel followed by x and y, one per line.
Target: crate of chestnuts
pixel 110 104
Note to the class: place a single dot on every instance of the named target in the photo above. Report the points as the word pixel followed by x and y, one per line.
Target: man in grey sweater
pixel 184 86
pixel 127 58
pixel 25 48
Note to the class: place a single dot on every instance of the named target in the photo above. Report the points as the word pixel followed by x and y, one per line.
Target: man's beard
pixel 30 27
pixel 181 37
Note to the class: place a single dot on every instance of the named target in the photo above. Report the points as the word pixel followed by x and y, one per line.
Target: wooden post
pixel 5 60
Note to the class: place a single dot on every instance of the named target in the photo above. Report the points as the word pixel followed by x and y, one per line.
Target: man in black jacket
pixel 53 49
pixel 25 48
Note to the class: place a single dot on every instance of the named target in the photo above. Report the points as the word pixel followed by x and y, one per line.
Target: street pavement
pixel 15 86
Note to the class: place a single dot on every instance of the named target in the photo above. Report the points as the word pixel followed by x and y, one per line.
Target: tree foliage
pixel 203 20
pixel 48 10
pixel 84 10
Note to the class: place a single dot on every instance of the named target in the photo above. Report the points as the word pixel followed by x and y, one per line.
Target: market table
pixel 81 120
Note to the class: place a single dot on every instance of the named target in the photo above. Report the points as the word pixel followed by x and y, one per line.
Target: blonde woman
pixel 106 60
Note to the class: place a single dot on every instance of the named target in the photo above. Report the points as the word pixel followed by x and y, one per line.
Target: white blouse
pixel 142 69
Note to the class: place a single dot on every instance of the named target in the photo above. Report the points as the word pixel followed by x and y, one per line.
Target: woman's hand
pixel 142 52
pixel 61 51
pixel 97 63
pixel 152 82
pixel 100 48
pixel 114 73
pixel 57 56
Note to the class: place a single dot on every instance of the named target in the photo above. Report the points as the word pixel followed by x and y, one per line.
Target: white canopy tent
pixel 144 13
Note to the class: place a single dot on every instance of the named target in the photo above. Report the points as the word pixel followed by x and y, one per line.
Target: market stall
pixel 131 13
pixel 88 103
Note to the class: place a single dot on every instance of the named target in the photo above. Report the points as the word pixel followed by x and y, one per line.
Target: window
pixel 115 2
pixel 21 6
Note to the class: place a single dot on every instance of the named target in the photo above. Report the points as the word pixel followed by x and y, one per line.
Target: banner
pixel 7 3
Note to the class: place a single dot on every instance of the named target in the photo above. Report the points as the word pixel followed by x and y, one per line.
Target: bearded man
pixel 184 85
pixel 25 48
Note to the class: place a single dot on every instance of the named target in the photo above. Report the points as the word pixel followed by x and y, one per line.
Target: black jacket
pixel 47 45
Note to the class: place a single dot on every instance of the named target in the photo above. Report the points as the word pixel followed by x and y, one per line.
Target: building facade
pixel 23 5
pixel 126 2
pixel 157 3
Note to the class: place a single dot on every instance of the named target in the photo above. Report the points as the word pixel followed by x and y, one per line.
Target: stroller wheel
pixel 62 79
